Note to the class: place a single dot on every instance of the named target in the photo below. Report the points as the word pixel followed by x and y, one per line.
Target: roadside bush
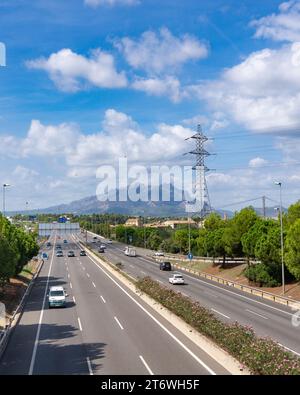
pixel 261 356
pixel 264 275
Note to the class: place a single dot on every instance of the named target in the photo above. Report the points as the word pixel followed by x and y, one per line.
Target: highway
pixel 104 329
pixel 267 318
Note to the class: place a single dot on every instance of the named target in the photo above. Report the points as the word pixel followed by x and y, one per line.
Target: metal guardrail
pixel 294 304
pixel 9 327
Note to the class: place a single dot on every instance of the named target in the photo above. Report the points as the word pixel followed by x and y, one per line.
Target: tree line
pixel 16 248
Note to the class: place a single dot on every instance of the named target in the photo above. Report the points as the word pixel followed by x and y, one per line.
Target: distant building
pixel 134 222
pixel 175 223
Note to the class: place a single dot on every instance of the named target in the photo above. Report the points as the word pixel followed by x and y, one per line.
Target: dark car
pixel 48 244
pixel 82 253
pixel 101 250
pixel 165 266
pixel 58 247
pixel 71 254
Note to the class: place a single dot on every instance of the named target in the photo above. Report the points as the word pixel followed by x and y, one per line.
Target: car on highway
pixel 95 238
pixel 165 266
pixel 65 241
pixel 82 253
pixel 48 244
pixel 159 253
pixel 58 247
pixel 71 254
pixel 102 246
pixel 101 250
pixel 176 279
pixel 44 255
pixel 109 241
pixel 59 254
pixel 57 297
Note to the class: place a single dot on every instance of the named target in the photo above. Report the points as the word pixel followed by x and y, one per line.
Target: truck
pixel 130 251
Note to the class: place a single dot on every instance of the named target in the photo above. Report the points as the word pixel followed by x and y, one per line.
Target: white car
pixel 108 241
pixel 103 246
pixel 176 279
pixel 159 253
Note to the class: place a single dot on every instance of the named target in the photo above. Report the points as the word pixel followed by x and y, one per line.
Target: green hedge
pixel 262 356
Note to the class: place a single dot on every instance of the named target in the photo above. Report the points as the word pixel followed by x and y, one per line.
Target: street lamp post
pixel 281 237
pixel 4 187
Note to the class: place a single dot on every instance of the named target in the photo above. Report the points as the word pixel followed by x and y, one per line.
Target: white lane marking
pixel 88 275
pixel 80 263
pixel 36 341
pixel 68 275
pixel 71 285
pixel 218 312
pixel 147 366
pixel 118 322
pixel 156 321
pixel 289 349
pixel 79 323
pixel 67 269
pixel 259 315
pixel 104 301
pixel 74 300
pixel 159 281
pixel 89 366
pixel 94 285
pixel 83 268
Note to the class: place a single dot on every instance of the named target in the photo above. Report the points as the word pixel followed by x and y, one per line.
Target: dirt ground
pixel 12 293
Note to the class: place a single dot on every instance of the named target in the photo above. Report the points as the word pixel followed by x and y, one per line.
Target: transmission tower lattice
pixel 202 206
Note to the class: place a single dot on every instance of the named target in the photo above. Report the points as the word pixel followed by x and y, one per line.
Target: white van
pixel 57 297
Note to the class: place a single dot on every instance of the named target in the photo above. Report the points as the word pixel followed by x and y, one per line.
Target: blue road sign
pixel 62 220
pixel 190 255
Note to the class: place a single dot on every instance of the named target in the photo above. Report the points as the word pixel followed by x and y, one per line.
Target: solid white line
pixel 74 300
pixel 216 311
pixel 71 285
pixel 36 342
pixel 147 366
pixel 79 323
pixel 118 323
pixel 104 301
pixel 159 281
pixel 156 321
pixel 94 285
pixel 289 349
pixel 253 312
pixel 89 366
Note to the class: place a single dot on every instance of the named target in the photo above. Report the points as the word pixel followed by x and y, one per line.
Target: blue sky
pixel 87 80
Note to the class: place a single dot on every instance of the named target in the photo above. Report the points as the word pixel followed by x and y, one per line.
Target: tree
pixel 292 246
pixel 250 239
pixel 293 214
pixel 8 260
pixel 236 228
pixel 213 222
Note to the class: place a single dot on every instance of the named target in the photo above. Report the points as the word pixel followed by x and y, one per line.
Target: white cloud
pixel 257 162
pixel 256 93
pixel 72 72
pixel 24 173
pixel 97 3
pixel 283 26
pixel 169 86
pixel 161 52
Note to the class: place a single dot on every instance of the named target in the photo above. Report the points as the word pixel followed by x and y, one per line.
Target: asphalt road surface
pixel 268 319
pixel 104 329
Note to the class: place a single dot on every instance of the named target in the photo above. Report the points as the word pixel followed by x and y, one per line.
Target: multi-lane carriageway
pixel 104 329
pixel 268 319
